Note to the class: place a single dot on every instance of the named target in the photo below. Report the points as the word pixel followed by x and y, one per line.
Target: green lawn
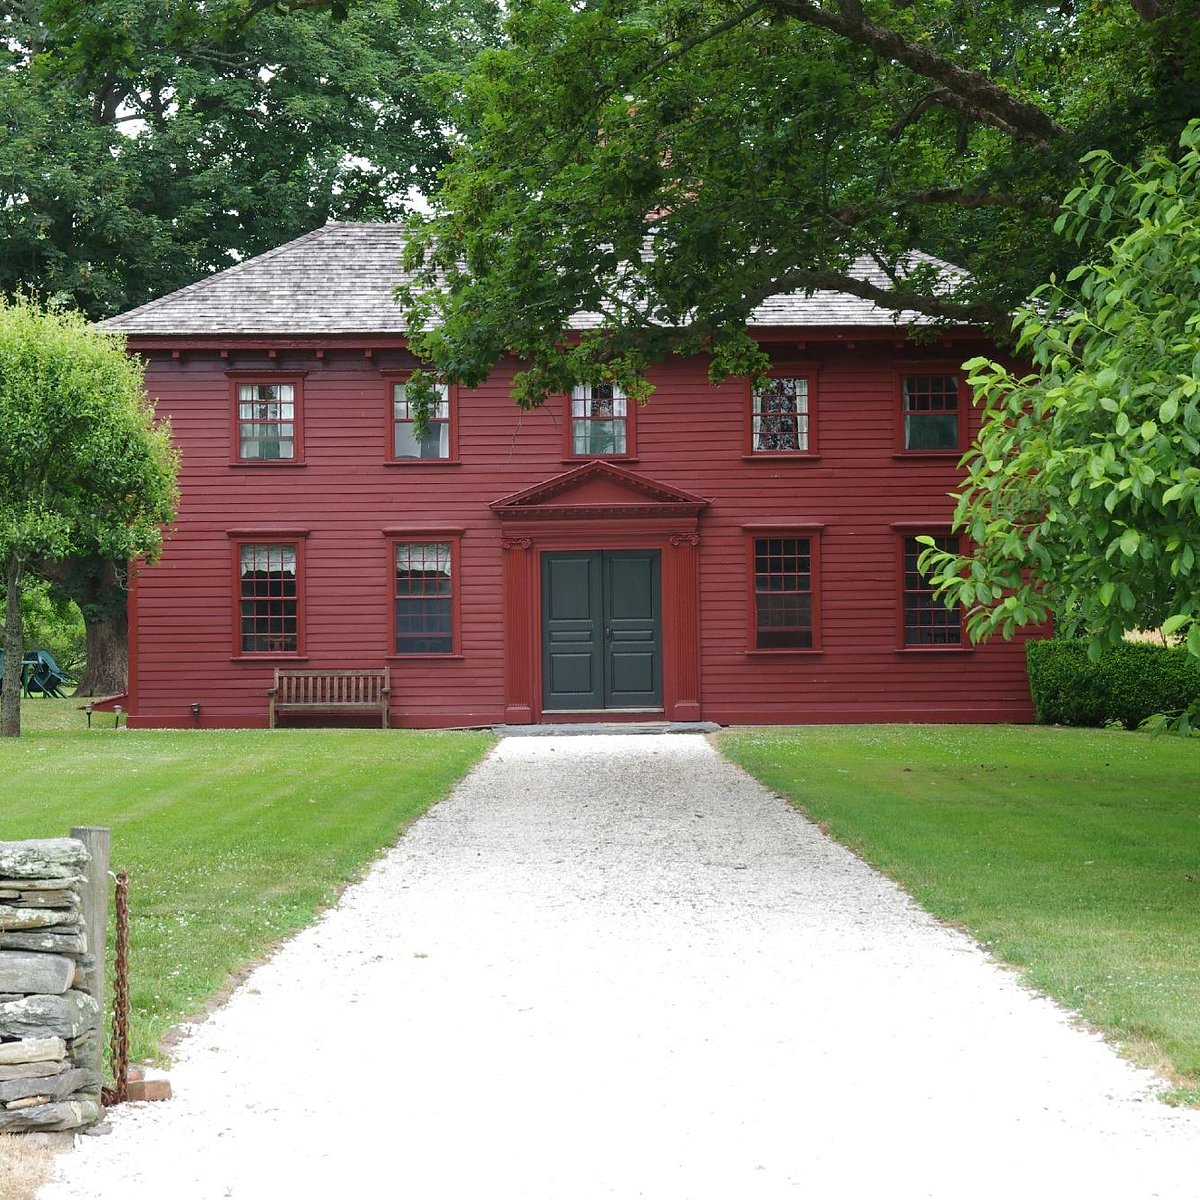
pixel 232 839
pixel 1072 854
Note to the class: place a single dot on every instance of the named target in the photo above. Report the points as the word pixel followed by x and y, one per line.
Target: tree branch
pixel 1148 10
pixel 290 6
pixel 698 39
pixel 961 197
pixel 970 92
pixel 917 111
pixel 1038 206
pixel 897 299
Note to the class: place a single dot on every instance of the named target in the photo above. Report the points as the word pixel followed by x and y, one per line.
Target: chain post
pixel 119 1092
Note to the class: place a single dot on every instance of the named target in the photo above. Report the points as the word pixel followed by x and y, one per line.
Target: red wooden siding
pixel 350 504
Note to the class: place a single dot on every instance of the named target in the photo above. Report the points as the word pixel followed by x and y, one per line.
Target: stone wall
pixel 49 1017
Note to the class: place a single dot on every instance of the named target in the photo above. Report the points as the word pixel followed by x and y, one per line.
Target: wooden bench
pixel 319 692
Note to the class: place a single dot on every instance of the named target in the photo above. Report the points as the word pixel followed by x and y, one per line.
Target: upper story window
pixel 931 416
pixel 601 424
pixel 438 443
pixel 926 621
pixel 269 603
pixel 268 422
pixel 785 592
pixel 781 415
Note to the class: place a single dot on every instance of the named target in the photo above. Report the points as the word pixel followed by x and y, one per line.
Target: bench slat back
pixel 331 687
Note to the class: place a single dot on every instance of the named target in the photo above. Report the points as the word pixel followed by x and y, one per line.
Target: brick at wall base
pixel 149 1089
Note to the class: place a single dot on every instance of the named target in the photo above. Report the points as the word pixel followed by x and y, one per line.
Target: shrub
pixel 1130 682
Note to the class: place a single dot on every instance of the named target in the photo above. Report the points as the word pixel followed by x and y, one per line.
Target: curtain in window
pixel 424 598
pixel 268 603
pixel 781 414
pixel 599 415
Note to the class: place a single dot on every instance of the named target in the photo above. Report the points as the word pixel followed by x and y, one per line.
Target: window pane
pixel 927 621
pixel 268 599
pixel 931 431
pixel 266 421
pixel 930 404
pixel 599 420
pixel 402 406
pixel 423 598
pixel 599 437
pixel 436 442
pixel 783 600
pixel 930 393
pixel 780 415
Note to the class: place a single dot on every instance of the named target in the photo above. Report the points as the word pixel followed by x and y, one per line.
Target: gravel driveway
pixel 617 967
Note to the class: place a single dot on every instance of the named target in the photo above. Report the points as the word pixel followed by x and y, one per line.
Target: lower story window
pixel 424 598
pixel 927 621
pixel 783 593
pixel 268 598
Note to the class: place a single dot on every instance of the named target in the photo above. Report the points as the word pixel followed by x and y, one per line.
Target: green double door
pixel 601 630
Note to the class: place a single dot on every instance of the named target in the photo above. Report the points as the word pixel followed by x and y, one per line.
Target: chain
pixel 119 1092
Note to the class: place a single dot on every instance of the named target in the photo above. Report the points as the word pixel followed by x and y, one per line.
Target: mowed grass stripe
pixel 1072 854
pixel 233 839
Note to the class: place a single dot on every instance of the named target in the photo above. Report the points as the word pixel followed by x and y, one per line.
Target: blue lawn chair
pixel 44 676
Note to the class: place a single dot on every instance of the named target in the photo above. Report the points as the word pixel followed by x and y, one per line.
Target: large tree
pixel 146 144
pixel 1082 495
pixel 667 164
pixel 84 470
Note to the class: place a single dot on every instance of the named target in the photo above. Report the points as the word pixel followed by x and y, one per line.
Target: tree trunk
pixel 10 700
pixel 107 670
pixel 98 588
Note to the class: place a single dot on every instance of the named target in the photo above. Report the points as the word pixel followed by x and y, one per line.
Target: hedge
pixel 1130 682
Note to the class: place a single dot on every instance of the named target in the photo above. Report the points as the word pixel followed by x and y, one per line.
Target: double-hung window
pixel 437 444
pixel 267 421
pixel 926 621
pixel 270 614
pixel 424 596
pixel 601 424
pixel 784 568
pixel 932 415
pixel 781 415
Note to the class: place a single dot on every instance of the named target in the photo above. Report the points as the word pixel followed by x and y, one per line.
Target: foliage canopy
pixel 84 469
pixel 1082 495
pixel 668 164
pixel 146 144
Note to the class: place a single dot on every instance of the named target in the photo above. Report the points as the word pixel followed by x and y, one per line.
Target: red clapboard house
pixel 722 553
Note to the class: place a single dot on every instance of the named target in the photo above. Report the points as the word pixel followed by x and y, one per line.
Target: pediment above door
pixel 598 490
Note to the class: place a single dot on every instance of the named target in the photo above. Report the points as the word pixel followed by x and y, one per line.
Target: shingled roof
pixel 339 280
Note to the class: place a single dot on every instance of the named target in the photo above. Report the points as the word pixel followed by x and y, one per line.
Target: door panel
pixel 602 646
pixel 632 672
pixel 572 632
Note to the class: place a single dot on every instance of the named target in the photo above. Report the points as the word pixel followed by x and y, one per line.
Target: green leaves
pixel 708 157
pixel 145 141
pixel 1083 493
pixel 84 469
